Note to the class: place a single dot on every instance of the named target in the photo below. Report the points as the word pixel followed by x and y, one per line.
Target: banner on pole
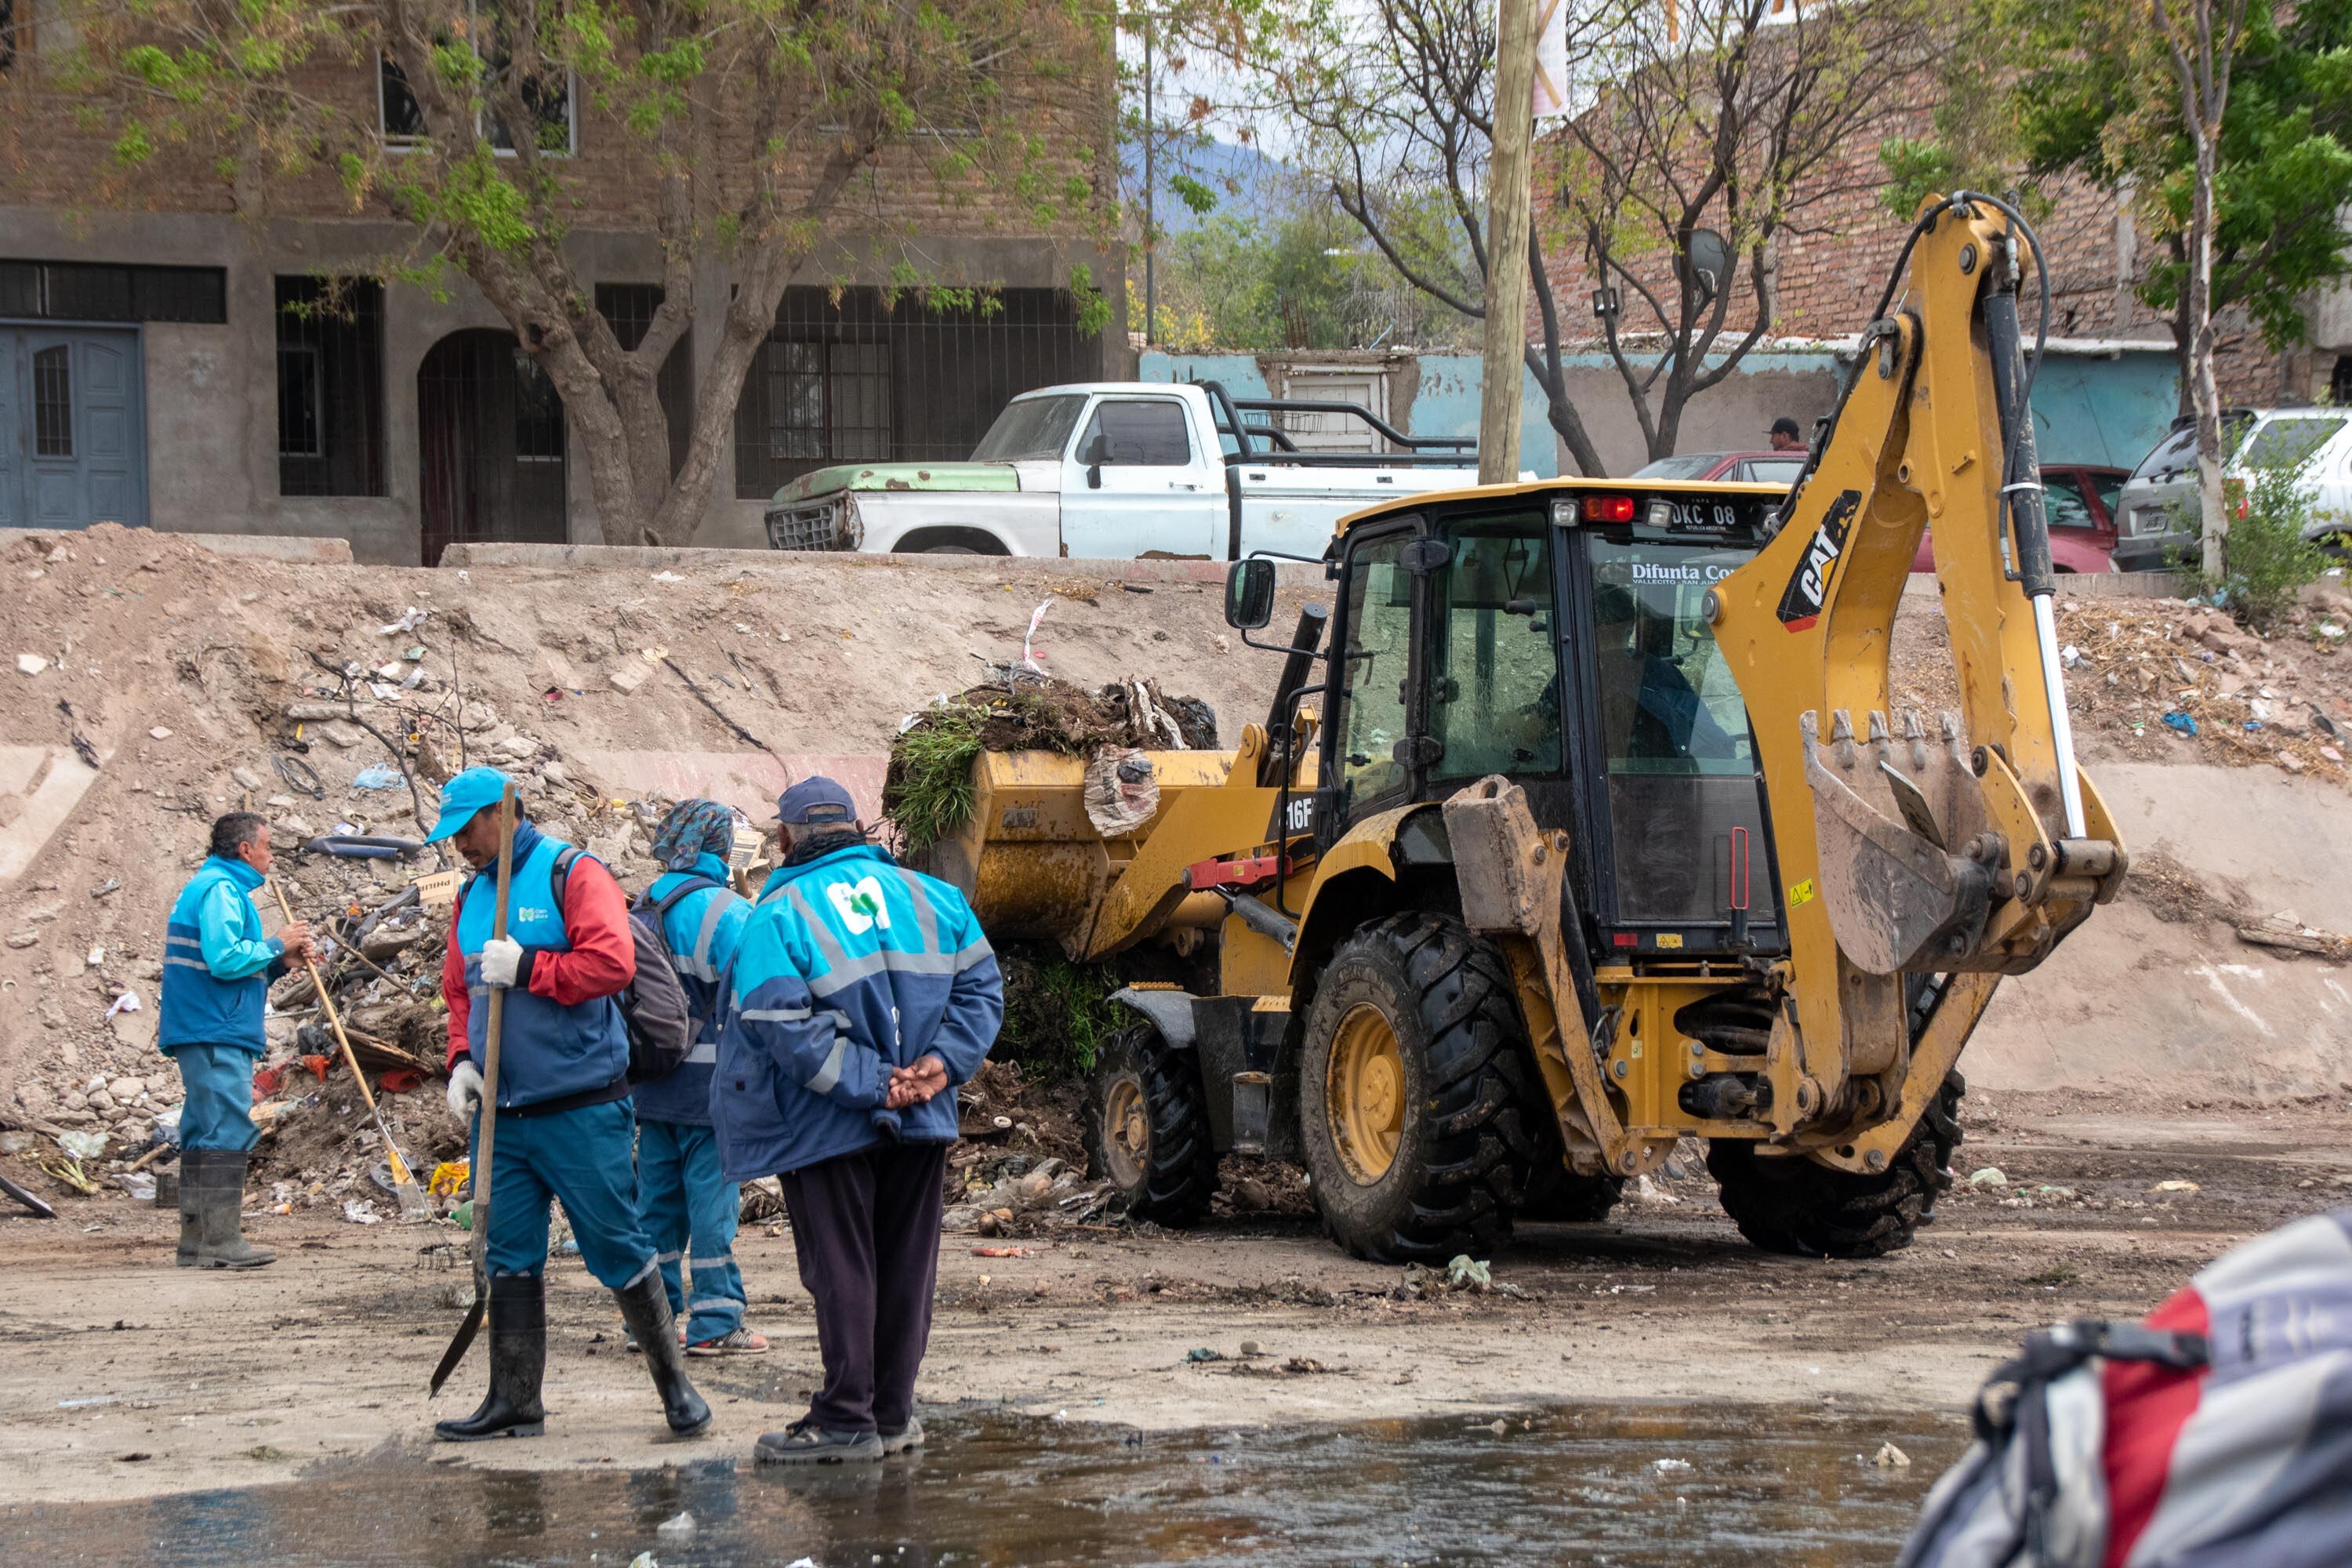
pixel 1551 58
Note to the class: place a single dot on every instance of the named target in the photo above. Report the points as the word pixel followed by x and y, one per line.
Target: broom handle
pixel 400 1172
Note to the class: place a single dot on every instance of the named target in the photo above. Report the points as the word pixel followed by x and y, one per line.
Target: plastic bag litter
pixel 1121 792
pixel 376 776
pixel 82 1145
pixel 407 623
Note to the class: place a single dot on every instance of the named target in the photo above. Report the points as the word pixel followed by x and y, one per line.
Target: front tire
pixel 1793 1204
pixel 1148 1128
pixel 1412 1090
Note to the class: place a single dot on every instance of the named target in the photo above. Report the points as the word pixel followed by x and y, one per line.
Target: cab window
pixel 1140 432
pixel 1375 672
pixel 1493 695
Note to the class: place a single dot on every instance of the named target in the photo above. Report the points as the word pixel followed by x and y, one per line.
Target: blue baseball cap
pixel 464 796
pixel 816 800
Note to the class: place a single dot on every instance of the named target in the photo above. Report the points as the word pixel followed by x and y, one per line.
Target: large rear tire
pixel 1148 1128
pixel 1412 1090
pixel 1790 1203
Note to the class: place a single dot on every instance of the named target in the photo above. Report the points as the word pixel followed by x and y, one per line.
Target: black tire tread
pixel 1180 1176
pixel 1796 1205
pixel 1476 1136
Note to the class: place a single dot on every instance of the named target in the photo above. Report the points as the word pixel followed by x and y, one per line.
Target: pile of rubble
pixel 2152 678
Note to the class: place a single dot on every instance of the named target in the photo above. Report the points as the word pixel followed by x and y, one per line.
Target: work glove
pixel 501 958
pixel 465 1092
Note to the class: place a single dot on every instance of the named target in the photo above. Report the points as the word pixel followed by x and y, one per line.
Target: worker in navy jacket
pixel 217 966
pixel 689 1206
pixel 565 1129
pixel 862 996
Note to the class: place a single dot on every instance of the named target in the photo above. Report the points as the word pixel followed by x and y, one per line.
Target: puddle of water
pixel 1764 1485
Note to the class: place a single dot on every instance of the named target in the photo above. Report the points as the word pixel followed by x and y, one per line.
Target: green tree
pixel 2085 89
pixel 751 132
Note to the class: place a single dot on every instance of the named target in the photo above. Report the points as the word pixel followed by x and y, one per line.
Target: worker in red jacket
pixel 566 1128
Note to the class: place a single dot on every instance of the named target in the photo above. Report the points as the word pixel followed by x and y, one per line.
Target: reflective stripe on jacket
pixel 217 966
pixel 702 929
pixel 548 1049
pixel 849 966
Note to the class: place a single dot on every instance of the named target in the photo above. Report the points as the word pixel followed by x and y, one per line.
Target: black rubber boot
pixel 191 1206
pixel 518 1322
pixel 219 1181
pixel 645 1307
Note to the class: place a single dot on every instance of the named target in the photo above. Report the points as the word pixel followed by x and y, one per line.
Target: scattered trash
pixel 1005 1252
pixel 448 1176
pixel 82 1145
pixel 126 1003
pixel 111 884
pixel 2181 722
pixel 31 664
pixel 139 1185
pixel 675 1530
pixel 1467 1273
pixel 668 577
pixel 1890 1457
pixel 1202 1352
pixel 86 1401
pixel 2070 657
pixel 1989 1176
pixel 158 733
pixel 361 1211
pixel 1670 1466
pixel 2176 1186
pixel 377 776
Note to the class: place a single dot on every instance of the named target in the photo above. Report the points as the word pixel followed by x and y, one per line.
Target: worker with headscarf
pixel 688 1205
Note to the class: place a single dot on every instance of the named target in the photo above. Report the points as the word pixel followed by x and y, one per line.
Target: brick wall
pixel 53 155
pixel 1825 280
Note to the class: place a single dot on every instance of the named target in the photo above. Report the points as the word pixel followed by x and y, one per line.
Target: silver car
pixel 2155 523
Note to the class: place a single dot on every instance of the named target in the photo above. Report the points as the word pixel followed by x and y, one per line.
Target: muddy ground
pixel 123 1376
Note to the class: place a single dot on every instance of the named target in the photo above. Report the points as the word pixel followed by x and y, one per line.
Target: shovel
pixel 464 1338
pixel 413 1205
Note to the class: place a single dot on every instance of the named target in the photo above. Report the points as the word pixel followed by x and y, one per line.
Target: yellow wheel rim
pixel 1363 1094
pixel 1127 1133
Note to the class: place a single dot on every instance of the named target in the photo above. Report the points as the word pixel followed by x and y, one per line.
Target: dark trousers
pixel 866 1229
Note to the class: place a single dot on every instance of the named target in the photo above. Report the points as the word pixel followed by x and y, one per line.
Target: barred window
pixel 330 386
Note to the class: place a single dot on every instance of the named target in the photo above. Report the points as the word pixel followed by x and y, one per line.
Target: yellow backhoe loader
pixel 1591 829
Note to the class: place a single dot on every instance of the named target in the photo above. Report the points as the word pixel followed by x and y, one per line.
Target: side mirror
pixel 1249 593
pixel 1091 454
pixel 1093 476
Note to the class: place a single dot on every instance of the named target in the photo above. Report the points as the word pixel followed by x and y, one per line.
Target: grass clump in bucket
pixel 929 792
pixel 1058 1016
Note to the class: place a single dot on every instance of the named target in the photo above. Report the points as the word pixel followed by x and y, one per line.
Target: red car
pixel 1732 468
pixel 2081 500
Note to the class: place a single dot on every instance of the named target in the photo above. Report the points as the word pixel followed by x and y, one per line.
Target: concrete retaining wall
pixel 300 549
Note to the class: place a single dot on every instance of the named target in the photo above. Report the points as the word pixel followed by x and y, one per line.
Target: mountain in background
pixel 1246 182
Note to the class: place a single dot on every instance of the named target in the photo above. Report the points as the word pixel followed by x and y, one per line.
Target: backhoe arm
pixel 1920 855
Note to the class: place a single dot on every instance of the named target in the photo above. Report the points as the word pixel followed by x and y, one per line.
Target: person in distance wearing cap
pixel 1786 437
pixel 565 1126
pixel 861 997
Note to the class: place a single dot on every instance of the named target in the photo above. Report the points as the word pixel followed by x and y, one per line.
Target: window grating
pixel 842 378
pixel 104 291
pixel 53 403
pixel 330 386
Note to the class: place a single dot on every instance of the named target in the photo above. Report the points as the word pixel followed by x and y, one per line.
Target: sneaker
pixel 806 1443
pixel 906 1437
pixel 738 1342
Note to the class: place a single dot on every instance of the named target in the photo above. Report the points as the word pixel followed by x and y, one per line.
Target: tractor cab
pixel 1557 635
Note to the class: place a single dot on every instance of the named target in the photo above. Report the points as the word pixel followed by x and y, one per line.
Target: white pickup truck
pixel 1120 470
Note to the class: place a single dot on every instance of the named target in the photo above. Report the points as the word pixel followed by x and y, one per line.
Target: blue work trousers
pixel 689 1208
pixel 217 1097
pixel 584 1157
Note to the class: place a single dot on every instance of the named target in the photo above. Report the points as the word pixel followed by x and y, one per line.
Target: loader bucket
pixel 1886 814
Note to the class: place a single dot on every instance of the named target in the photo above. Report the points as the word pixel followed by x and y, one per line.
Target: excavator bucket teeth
pixel 1898 899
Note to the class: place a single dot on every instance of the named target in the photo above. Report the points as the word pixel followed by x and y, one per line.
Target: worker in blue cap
pixel 217 967
pixel 861 997
pixel 565 1126
pixel 689 1206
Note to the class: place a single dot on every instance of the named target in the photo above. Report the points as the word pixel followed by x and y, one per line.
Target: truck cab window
pixel 1374 674
pixel 1493 696
pixel 1142 433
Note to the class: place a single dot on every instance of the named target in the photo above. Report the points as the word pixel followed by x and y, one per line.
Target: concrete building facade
pixel 164 360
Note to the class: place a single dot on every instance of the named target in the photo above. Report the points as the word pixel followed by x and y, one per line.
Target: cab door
pixel 1133 484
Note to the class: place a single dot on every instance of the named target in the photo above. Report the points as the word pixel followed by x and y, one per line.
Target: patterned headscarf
pixel 693 829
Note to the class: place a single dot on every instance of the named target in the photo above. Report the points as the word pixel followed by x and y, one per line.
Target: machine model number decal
pixel 1801 603
pixel 1296 817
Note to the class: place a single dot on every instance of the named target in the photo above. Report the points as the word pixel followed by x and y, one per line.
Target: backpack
pixel 2216 1434
pixel 652 1003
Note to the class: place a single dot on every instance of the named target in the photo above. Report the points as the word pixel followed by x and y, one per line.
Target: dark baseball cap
pixel 1784 426
pixel 816 800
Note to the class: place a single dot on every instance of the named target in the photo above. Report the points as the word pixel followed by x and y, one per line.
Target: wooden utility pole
pixel 1506 242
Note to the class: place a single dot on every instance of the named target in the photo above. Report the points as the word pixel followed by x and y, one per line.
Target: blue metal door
pixel 73 447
